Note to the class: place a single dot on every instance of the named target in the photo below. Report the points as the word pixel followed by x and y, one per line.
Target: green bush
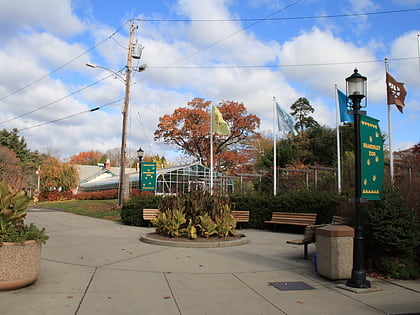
pixel 132 211
pixel 392 235
pixel 325 204
pixel 404 268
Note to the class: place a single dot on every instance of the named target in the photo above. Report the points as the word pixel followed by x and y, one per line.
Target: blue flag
pixel 285 121
pixel 344 102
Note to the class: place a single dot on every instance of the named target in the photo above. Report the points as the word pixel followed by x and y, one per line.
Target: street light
pixel 140 154
pixel 356 90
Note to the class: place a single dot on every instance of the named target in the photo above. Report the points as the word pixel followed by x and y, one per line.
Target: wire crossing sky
pixel 246 51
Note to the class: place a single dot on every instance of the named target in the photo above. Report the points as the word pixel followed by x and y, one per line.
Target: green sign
pixel 372 158
pixel 148 176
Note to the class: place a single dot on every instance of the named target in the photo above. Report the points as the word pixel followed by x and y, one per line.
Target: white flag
pixel 285 121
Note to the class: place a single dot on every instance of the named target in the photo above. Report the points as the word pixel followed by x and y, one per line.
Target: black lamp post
pixel 356 91
pixel 140 154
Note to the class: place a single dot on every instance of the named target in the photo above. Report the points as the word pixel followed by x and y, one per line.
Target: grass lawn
pixel 102 209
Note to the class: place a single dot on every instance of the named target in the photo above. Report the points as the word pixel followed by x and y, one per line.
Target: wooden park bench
pixel 149 215
pixel 308 238
pixel 309 235
pixel 241 216
pixel 293 218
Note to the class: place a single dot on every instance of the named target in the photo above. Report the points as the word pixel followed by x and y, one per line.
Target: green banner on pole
pixel 372 158
pixel 148 176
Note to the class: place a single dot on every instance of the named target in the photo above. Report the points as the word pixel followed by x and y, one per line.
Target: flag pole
pixel 418 49
pixel 211 150
pixel 391 155
pixel 274 147
pixel 337 120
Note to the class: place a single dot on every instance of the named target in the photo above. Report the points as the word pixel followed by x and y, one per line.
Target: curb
pixel 153 241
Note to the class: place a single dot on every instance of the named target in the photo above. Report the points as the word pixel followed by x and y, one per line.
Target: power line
pixel 63 65
pixel 222 39
pixel 72 115
pixel 282 18
pixel 277 66
pixel 56 101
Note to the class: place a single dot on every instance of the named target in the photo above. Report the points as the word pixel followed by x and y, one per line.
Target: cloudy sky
pixel 241 50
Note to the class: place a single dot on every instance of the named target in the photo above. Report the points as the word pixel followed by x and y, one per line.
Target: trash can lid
pixel 335 230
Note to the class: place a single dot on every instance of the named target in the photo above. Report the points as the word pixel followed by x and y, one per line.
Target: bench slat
pixel 149 214
pixel 292 218
pixel 241 216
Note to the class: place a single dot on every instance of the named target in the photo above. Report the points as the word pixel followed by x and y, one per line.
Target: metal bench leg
pixel 305 251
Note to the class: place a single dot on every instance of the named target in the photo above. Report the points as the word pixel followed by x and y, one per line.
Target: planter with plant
pixel 195 215
pixel 20 244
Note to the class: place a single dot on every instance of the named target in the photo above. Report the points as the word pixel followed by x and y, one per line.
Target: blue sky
pixel 214 49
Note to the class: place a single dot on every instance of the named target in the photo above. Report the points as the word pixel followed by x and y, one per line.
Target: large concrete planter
pixel 19 264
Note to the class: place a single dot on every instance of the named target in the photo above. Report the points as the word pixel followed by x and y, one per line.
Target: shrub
pixel 325 204
pixel 132 210
pixel 195 214
pixel 398 268
pixel 169 222
pixel 98 195
pixel 392 233
pixel 56 195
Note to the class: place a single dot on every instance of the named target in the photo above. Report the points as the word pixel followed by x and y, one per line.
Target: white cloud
pixel 407 70
pixel 328 59
pixel 29 15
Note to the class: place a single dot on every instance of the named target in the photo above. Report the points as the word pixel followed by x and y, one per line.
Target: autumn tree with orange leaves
pixel 58 175
pixel 87 158
pixel 189 129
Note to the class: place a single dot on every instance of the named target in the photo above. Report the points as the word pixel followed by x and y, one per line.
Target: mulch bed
pixel 158 236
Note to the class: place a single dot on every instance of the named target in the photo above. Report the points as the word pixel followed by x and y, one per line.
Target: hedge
pixel 132 211
pixel 261 207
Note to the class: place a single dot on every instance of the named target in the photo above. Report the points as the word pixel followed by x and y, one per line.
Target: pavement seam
pixel 399 285
pixel 85 292
pixel 131 258
pixel 339 291
pixel 100 266
pixel 256 292
pixel 172 293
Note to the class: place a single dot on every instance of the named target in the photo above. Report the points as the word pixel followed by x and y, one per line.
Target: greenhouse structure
pixel 169 180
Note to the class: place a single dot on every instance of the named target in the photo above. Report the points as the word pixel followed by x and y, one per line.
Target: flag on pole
pixel 219 125
pixel 285 121
pixel 343 102
pixel 395 92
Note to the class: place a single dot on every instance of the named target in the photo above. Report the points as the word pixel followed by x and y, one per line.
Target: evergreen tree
pixel 301 110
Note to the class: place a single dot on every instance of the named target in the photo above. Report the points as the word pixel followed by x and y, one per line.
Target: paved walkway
pixel 92 266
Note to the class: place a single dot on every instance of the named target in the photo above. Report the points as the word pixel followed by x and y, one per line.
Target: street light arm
pixel 116 74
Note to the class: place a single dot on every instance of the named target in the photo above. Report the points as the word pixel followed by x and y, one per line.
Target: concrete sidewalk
pixel 92 266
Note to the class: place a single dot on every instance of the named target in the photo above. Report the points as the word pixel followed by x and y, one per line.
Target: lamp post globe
pixel 140 154
pixel 356 85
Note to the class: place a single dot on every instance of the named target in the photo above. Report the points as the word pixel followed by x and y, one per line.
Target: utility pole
pixel 121 190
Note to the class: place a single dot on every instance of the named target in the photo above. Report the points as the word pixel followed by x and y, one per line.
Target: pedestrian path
pixel 93 266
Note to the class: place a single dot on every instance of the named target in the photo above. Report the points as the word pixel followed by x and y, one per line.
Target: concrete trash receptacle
pixel 334 248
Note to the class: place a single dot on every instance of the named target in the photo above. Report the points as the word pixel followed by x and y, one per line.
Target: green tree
pixel 28 160
pixel 301 110
pixel 18 144
pixel 59 175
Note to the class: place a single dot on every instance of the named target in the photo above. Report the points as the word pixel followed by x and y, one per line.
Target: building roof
pixel 93 173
